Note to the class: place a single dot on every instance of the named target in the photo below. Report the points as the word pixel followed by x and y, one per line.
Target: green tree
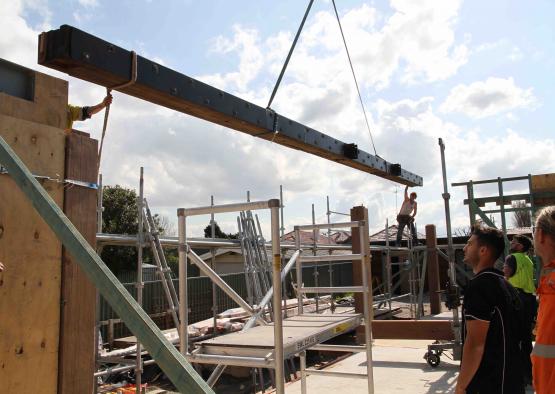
pixel 120 216
pixel 218 233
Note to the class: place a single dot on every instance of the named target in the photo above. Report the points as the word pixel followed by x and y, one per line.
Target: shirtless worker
pixel 406 217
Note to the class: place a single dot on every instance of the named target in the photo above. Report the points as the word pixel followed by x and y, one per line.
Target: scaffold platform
pixel 300 332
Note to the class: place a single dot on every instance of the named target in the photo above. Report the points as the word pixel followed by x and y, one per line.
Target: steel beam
pixel 87 57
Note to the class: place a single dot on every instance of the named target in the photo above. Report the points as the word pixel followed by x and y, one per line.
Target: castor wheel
pixel 432 359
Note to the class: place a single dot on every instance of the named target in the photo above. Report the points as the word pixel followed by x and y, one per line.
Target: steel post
pixel 367 296
pixel 140 284
pixel 450 251
pixel 303 371
pixel 183 302
pixel 278 324
pixel 213 266
pixel 299 271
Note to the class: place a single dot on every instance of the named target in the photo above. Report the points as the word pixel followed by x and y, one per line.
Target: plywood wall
pixel 543 183
pixel 31 253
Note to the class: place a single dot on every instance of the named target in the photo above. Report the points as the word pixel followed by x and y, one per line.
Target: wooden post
pixel 433 270
pixel 359 213
pixel 412 329
pixel 77 319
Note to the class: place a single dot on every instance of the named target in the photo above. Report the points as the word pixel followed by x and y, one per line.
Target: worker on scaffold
pixel 406 217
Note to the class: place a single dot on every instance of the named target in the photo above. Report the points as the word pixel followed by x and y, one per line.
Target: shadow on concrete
pixel 445 384
pixel 414 365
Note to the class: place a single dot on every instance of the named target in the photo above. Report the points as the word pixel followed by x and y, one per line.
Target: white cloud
pixel 516 54
pixel 245 43
pixel 486 98
pixel 18 40
pixel 187 160
pixel 88 3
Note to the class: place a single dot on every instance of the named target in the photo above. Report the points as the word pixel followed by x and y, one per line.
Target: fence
pixel 200 295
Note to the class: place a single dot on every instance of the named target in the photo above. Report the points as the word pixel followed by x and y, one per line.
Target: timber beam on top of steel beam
pixel 87 57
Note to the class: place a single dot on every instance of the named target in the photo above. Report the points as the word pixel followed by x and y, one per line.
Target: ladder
pixel 257 267
pixel 163 270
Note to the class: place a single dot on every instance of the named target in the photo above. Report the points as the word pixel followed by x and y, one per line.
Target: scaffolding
pixel 412 270
pixel 541 192
pixel 263 346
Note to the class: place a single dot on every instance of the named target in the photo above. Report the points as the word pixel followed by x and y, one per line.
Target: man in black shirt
pixel 491 361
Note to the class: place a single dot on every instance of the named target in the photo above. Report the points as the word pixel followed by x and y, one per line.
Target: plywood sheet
pixel 30 283
pixel 48 106
pixel 543 183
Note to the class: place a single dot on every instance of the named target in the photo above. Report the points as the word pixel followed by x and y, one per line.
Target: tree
pixel 120 216
pixel 521 218
pixel 218 233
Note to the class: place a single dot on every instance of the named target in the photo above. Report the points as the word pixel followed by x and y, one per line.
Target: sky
pixel 477 74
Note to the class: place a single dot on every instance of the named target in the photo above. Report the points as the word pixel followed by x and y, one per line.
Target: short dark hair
pixel 415 195
pixel 524 241
pixel 491 238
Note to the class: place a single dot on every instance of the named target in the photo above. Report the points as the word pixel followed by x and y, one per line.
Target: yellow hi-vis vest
pixel 524 275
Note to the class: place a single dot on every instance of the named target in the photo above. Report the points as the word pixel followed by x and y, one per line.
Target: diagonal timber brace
pixel 87 57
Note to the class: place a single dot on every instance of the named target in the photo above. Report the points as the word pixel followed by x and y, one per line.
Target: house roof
pixel 344 237
pixel 220 252
pixel 308 252
pixel 307 237
pixel 391 233
pixel 287 255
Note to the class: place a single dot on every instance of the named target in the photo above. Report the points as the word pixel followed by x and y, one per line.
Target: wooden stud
pixel 77 325
pixel 433 270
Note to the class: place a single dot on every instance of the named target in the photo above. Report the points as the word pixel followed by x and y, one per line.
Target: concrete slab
pixel 398 367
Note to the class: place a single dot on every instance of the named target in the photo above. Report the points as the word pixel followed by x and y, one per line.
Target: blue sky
pixel 478 74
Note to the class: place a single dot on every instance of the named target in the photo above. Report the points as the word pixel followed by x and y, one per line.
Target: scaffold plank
pixel 300 332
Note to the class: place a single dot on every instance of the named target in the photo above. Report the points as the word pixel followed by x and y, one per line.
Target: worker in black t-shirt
pixel 492 361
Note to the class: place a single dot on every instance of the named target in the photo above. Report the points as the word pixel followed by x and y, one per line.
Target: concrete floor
pixel 398 367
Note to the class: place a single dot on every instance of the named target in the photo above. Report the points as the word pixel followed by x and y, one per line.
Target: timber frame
pixel 87 57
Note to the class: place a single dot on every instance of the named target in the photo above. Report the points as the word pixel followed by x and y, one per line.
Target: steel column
pixel 276 279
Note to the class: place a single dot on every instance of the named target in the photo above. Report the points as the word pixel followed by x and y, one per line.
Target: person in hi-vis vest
pixel 519 271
